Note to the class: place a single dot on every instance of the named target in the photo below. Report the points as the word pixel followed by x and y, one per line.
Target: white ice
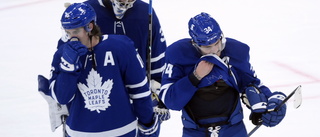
pixel 282 34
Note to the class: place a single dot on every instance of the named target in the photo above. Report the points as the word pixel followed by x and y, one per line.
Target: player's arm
pixel 176 89
pixel 138 87
pixel 259 99
pixel 135 79
pixel 65 71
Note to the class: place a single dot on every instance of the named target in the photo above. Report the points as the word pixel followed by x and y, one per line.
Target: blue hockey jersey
pixel 100 100
pixel 135 25
pixel 232 66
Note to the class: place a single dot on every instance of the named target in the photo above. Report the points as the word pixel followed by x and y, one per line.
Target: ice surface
pixel 283 37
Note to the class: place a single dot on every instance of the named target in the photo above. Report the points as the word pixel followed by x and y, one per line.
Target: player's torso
pixel 102 92
pixel 134 24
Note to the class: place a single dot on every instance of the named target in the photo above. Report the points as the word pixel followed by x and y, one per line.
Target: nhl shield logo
pixel 95 93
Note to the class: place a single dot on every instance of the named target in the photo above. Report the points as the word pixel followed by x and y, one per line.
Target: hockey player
pixel 130 18
pixel 102 80
pixel 204 77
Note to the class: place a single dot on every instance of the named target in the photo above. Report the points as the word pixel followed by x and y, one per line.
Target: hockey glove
pixel 152 130
pixel 71 54
pixel 158 107
pixel 274 117
pixel 161 112
pixel 256 100
pixel 56 111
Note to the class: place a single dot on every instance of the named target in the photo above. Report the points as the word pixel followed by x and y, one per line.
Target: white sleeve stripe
pixel 114 132
pixel 139 84
pixel 52 91
pixel 159 70
pixel 54 95
pixel 165 89
pixel 157 58
pixel 140 95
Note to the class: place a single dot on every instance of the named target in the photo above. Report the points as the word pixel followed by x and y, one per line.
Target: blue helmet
pixel 78 15
pixel 204 30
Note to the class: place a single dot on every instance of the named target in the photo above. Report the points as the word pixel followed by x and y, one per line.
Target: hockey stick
pixel 154 95
pixel 297 103
pixel 63 118
pixel 149 42
pixel 57 112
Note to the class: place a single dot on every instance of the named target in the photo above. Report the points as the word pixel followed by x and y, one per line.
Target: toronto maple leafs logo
pixel 95 93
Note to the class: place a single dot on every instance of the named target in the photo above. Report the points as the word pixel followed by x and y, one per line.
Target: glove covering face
pixel 71 54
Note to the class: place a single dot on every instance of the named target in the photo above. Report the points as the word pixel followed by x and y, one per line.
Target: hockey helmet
pixel 204 30
pixel 121 6
pixel 78 15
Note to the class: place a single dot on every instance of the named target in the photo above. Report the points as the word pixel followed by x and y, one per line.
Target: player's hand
pixel 257 100
pixel 158 107
pixel 71 54
pixel 150 130
pixel 274 117
pixel 203 69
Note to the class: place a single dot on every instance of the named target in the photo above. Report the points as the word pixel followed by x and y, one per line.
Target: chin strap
pixel 223 45
pixel 94 65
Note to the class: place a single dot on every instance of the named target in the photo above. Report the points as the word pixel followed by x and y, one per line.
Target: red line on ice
pixel 296 71
pixel 312 78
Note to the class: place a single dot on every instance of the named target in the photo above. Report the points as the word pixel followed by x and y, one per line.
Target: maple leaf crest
pixel 95 93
